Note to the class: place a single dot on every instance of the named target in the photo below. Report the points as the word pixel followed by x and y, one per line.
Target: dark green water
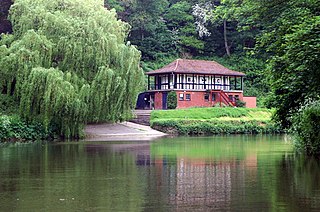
pixel 234 173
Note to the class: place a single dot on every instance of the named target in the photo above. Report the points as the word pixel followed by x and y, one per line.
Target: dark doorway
pixel 143 101
pixel 164 101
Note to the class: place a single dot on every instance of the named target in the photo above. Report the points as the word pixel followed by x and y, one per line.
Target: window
pixel 188 97
pixel 230 97
pixel 181 96
pixel 213 97
pixel 206 97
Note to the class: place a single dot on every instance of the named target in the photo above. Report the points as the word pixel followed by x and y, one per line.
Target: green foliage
pixel 240 103
pixel 215 127
pixel 8 105
pixel 12 128
pixel 290 35
pixel 181 22
pixel 306 128
pixel 67 64
pixel 172 100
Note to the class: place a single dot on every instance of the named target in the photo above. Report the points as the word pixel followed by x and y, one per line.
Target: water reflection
pixel 180 174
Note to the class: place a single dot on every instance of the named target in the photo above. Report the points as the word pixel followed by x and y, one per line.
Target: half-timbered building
pixel 197 83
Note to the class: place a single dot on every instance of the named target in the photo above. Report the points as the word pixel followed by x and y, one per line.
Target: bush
pixel 240 103
pixel 12 128
pixel 306 128
pixel 172 100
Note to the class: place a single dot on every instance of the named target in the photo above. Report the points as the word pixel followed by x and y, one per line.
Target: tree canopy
pixel 290 38
pixel 67 63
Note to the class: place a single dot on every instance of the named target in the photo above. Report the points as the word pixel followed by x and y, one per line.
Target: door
pixel 164 101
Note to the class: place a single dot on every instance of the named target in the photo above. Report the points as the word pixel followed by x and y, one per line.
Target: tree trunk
pixel 142 34
pixel 225 38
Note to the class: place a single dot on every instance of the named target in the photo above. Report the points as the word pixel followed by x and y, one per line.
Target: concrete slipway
pixel 125 131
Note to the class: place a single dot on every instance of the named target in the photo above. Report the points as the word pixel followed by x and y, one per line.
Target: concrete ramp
pixel 125 131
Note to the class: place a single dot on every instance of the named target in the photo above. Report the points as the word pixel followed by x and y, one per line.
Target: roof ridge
pixel 177 63
pixel 189 66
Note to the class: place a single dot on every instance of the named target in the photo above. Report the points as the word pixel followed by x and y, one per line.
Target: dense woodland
pixel 275 42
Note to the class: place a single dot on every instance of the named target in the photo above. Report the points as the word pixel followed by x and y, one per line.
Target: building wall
pixel 251 101
pixel 197 99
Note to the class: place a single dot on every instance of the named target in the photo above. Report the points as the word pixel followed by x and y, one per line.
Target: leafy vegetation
pixel 290 39
pixel 172 100
pixel 306 128
pixel 196 121
pixel 67 64
pixel 12 128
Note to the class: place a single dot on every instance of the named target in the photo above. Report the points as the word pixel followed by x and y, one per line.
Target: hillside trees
pixel 199 29
pixel 67 63
pixel 290 37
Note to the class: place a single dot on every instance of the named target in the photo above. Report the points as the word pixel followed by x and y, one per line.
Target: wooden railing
pixel 225 99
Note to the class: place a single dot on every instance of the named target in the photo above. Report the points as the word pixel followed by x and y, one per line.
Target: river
pixel 218 173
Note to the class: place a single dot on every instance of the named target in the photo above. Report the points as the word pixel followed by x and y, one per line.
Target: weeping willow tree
pixel 67 63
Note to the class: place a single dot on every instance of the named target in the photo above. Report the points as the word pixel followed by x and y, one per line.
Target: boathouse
pixel 197 83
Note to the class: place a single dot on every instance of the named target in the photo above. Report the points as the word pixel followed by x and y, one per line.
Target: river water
pixel 220 173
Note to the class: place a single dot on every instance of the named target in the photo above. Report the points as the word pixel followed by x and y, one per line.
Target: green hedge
pixel 215 127
pixel 12 128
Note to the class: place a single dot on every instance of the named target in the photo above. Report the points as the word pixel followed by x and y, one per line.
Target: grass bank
pixel 197 121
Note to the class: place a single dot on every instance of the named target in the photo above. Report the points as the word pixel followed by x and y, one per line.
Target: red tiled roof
pixel 184 66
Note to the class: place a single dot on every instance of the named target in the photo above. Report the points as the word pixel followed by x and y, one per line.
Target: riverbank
pixel 125 131
pixel 206 121
pixel 14 129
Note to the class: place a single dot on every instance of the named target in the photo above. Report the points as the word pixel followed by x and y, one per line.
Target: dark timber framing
pixel 203 82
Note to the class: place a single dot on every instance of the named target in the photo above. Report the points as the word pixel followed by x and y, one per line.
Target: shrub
pixel 306 128
pixel 12 128
pixel 172 100
pixel 240 103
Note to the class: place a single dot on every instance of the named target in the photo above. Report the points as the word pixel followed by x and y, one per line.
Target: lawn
pixel 214 120
pixel 213 113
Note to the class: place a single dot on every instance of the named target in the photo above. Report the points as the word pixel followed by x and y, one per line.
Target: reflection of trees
pixel 68 176
pixel 298 183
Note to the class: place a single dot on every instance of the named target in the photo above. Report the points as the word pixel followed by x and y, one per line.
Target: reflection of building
pixel 203 184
